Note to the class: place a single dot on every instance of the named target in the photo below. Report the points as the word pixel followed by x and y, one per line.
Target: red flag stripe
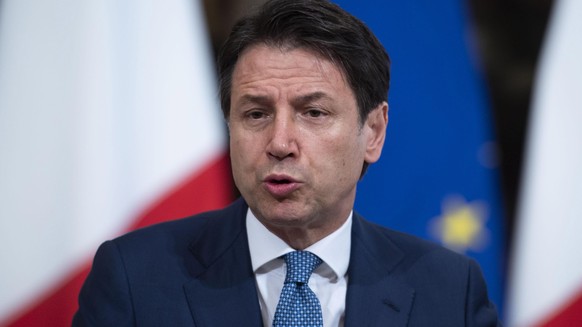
pixel 207 189
pixel 203 191
pixel 570 315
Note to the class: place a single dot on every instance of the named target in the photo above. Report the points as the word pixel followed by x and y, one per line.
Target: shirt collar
pixel 265 246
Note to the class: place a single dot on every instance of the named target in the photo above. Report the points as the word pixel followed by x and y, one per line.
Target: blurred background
pixel 109 121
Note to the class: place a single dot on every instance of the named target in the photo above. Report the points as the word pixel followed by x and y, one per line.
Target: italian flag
pixel 546 279
pixel 109 121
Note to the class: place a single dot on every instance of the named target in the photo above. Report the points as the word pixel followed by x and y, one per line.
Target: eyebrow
pixel 298 101
pixel 258 99
pixel 309 98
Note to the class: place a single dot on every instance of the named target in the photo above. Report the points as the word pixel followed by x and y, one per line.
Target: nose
pixel 283 143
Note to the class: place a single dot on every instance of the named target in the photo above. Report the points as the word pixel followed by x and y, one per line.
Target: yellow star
pixel 461 225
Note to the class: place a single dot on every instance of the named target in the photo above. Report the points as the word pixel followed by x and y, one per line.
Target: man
pixel 304 92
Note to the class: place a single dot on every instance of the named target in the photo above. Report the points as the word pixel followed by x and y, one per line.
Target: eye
pixel 315 113
pixel 256 114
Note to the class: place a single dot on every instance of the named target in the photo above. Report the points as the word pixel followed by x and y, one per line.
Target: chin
pixel 282 217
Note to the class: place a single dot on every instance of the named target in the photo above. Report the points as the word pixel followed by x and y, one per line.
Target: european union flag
pixel 437 177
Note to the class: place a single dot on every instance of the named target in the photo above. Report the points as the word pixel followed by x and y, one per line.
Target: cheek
pixel 349 158
pixel 240 165
pixel 237 150
pixel 342 158
pixel 239 143
pixel 244 152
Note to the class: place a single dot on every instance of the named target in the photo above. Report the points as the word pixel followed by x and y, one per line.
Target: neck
pixel 301 238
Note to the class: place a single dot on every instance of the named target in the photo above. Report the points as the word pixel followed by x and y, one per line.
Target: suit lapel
pixel 222 291
pixel 376 295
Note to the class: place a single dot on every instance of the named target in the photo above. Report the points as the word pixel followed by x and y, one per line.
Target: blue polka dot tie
pixel 298 306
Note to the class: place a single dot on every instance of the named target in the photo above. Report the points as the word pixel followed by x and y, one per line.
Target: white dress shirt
pixel 328 281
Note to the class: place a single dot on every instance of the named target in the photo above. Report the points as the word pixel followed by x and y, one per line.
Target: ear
pixel 375 125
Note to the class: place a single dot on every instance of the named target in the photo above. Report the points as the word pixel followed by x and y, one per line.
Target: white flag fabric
pixel 107 109
pixel 546 276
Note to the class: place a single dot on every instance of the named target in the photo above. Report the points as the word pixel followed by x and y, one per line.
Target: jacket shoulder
pixel 184 230
pixel 413 246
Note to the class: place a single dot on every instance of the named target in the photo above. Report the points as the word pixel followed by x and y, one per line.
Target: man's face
pixel 297 146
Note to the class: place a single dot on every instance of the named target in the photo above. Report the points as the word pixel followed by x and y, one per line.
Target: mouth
pixel 280 181
pixel 280 185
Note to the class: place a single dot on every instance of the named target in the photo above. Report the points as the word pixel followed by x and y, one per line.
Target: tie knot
pixel 300 265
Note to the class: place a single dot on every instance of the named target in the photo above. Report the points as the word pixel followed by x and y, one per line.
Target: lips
pixel 280 185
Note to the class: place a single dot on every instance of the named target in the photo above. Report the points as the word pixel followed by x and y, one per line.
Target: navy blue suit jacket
pixel 197 272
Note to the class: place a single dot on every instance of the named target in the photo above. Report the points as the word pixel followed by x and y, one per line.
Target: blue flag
pixel 437 177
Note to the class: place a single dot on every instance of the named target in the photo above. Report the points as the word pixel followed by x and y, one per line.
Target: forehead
pixel 273 63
